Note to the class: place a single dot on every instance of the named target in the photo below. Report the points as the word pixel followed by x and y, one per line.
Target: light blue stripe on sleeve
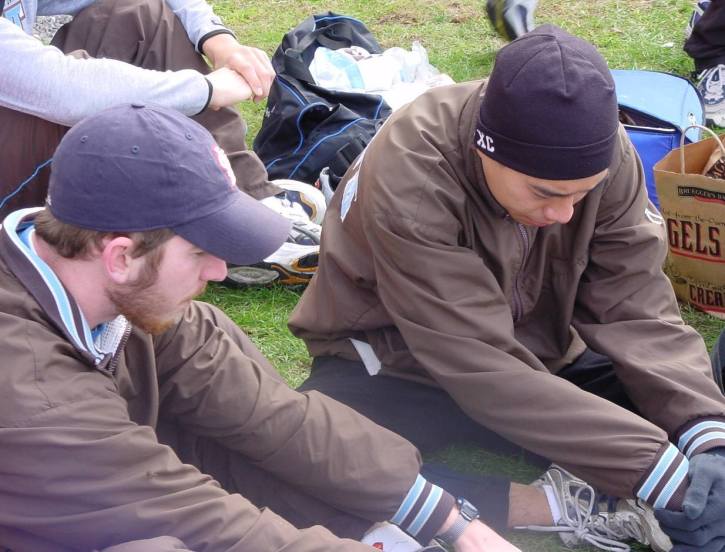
pixel 711 436
pixel 409 501
pixel 697 428
pixel 425 512
pixel 658 472
pixel 675 481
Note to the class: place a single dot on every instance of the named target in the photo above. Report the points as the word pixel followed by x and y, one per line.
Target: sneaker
pixel 294 263
pixel 308 197
pixel 245 276
pixel 711 85
pixel 597 520
pixel 303 231
pixel 697 13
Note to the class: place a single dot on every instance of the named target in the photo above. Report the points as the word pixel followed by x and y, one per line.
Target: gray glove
pixel 701 523
pixel 511 18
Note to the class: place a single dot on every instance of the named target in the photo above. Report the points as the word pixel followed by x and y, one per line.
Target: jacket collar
pixel 59 306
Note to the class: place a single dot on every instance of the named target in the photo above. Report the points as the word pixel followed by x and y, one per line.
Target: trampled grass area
pixel 643 34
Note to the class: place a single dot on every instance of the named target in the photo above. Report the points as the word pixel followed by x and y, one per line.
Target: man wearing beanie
pixel 130 412
pixel 491 274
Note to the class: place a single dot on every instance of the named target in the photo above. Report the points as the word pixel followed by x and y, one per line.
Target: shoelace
pixel 578 501
pixel 622 526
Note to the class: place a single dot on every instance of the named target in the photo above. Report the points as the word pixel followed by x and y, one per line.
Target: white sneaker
pixel 711 85
pixel 295 262
pixel 245 276
pixel 303 230
pixel 307 196
pixel 588 518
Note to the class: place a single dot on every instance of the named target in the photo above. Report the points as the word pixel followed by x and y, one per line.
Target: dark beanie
pixel 550 109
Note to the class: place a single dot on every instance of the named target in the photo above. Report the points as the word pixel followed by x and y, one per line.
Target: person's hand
pixel 158 544
pixel 228 88
pixel 252 64
pixel 701 523
pixel 480 538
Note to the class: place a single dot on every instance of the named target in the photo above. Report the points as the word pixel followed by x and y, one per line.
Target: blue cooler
pixel 655 108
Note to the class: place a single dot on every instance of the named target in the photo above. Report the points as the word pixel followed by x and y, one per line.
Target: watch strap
pixel 451 535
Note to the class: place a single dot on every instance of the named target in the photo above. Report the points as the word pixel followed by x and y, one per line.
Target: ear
pixel 117 260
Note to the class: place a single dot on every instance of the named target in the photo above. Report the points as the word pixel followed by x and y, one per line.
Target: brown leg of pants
pixel 144 33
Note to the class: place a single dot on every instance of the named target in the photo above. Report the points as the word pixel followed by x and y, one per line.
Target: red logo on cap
pixel 223 161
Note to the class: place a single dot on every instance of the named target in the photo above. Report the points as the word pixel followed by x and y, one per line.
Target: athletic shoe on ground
pixel 296 264
pixel 245 276
pixel 711 85
pixel 597 520
pixel 700 8
pixel 309 198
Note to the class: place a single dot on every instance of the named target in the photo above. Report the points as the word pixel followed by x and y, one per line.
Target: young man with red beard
pixel 130 411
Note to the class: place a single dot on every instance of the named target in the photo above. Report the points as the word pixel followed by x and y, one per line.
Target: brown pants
pixel 145 33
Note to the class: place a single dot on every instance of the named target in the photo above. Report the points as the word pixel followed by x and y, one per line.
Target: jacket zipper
pixel 518 302
pixel 121 346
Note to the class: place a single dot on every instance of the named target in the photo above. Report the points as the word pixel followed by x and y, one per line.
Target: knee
pixel 128 12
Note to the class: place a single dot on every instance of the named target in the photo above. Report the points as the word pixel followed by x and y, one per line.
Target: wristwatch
pixel 467 512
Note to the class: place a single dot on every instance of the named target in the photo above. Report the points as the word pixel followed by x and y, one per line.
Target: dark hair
pixel 71 241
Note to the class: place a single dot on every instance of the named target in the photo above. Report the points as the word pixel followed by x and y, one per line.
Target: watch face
pixel 468 510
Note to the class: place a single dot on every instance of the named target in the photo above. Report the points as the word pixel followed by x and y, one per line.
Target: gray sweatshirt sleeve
pixel 197 16
pixel 42 81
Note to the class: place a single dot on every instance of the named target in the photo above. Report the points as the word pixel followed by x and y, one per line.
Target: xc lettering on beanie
pixel 549 109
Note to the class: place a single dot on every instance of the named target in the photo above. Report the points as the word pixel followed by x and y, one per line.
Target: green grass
pixel 643 34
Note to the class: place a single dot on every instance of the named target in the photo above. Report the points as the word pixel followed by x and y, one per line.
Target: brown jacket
pixel 420 261
pixel 80 463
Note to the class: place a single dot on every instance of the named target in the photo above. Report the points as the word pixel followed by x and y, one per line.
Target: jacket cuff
pixel 423 511
pixel 701 435
pixel 207 36
pixel 208 98
pixel 664 485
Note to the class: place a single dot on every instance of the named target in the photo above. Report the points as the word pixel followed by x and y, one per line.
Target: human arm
pixel 81 476
pixel 42 81
pixel 476 537
pixel 626 310
pixel 216 384
pixel 251 63
pixel 207 32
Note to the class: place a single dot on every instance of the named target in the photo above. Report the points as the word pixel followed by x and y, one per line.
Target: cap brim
pixel 244 232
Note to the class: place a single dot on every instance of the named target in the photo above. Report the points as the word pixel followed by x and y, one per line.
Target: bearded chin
pixel 141 307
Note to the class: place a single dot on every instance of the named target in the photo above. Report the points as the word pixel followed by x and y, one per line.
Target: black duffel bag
pixel 306 127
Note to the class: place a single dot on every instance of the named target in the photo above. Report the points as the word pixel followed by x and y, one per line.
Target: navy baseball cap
pixel 133 168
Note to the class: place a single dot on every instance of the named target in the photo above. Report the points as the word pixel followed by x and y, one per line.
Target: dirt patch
pixel 402 18
pixel 460 13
